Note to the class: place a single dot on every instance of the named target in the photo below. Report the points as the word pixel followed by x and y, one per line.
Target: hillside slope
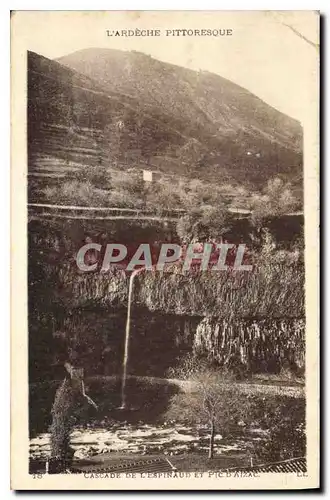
pixel 105 107
pixel 230 120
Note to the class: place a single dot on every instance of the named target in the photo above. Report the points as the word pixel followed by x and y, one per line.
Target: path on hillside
pixel 276 388
pixel 294 391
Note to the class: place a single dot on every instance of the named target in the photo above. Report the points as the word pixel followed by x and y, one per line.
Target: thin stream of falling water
pixel 127 337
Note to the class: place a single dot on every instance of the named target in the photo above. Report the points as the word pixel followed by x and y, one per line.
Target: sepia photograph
pixel 165 204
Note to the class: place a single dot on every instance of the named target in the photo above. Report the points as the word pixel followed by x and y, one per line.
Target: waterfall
pixel 127 337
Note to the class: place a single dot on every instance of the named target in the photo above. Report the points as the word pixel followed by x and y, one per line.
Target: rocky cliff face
pixel 252 321
pixel 158 341
pixel 229 322
pixel 275 291
pixel 252 345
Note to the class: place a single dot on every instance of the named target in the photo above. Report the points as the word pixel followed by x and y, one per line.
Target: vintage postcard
pixel 165 211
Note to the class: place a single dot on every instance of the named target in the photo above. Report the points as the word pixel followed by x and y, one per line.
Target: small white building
pixel 150 176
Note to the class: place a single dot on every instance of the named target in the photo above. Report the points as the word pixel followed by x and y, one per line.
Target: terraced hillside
pixel 123 110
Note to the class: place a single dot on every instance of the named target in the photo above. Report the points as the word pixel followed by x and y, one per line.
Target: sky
pixel 262 55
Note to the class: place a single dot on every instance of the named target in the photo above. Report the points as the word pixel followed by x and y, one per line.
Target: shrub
pixel 164 196
pixel 204 223
pixel 276 199
pixel 284 421
pixel 77 193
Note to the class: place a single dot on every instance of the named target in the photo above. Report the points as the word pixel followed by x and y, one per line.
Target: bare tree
pixel 213 400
